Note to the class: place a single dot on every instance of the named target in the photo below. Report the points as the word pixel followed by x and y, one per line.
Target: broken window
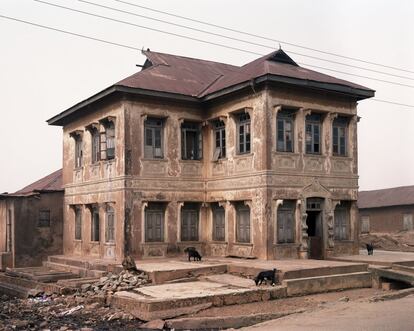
pixel 339 136
pixel 285 121
pixel 110 225
pixel 78 151
pixel 341 221
pixel 242 223
pixel 220 140
pixel 95 224
pixel 78 223
pixel 44 219
pixel 243 133
pixel 96 142
pixel 286 222
pixel 154 222
pixel 365 226
pixel 219 228
pixel 407 222
pixel 153 138
pixel 191 141
pixel 313 134
pixel 9 242
pixel 189 222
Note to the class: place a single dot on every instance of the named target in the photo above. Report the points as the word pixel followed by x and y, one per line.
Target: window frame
pixel 151 210
pixel 186 236
pixel 244 125
pixel 191 127
pixel 95 225
pixel 96 145
pixel 151 125
pixel 340 124
pixel 365 219
pixel 285 220
pixel 342 226
pixel 78 151
pixel 110 225
pixel 219 132
pixel 314 121
pixel 219 230
pixel 283 117
pixel 44 222
pixel 243 238
pixel 9 231
pixel 110 140
pixel 78 223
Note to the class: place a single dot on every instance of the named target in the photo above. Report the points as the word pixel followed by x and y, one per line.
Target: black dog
pixel 370 249
pixel 268 275
pixel 192 253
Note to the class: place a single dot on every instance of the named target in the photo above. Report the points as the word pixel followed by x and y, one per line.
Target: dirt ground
pixel 400 241
pixel 288 304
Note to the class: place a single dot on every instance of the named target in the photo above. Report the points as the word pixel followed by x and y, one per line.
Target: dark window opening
pixel 44 219
pixel 244 136
pixel 110 140
pixel 285 131
pixel 153 138
pixel 220 140
pixel 78 223
pixel 96 142
pixel 339 136
pixel 78 152
pixel 313 134
pixel 191 141
pixel 95 225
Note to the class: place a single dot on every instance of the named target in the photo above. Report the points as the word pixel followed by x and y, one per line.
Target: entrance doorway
pixel 314 223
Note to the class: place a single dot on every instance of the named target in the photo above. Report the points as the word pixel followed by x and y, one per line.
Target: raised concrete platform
pixel 40 274
pixel 385 258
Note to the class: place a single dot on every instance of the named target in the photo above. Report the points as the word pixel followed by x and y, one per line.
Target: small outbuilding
pixel 31 223
pixel 387 210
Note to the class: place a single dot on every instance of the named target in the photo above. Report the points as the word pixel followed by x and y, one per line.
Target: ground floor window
pixel 341 223
pixel 9 231
pixel 78 223
pixel 407 222
pixel 219 227
pixel 286 222
pixel 154 222
pixel 242 223
pixel 189 222
pixel 365 224
pixel 110 225
pixel 95 224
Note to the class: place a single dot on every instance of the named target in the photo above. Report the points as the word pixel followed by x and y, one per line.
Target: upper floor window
pixel 220 140
pixel 110 140
pixel 78 151
pixel 153 138
pixel 285 121
pixel 339 136
pixel 243 133
pixel 313 134
pixel 110 225
pixel 191 141
pixel 96 150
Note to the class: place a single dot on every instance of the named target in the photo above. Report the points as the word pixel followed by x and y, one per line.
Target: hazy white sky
pixel 44 72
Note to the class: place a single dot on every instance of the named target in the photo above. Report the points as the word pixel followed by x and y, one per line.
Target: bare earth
pixel 395 315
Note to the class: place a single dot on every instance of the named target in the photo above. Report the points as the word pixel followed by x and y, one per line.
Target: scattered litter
pixel 71 311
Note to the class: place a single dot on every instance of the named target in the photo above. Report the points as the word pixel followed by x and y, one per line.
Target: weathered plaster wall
pixel 387 219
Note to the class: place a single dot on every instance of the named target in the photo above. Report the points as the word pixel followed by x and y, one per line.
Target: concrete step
pixel 401 267
pixel 22 288
pixel 327 283
pixel 40 274
pixel 81 272
pixel 395 275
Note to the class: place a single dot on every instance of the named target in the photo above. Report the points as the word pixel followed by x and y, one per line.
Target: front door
pixel 314 223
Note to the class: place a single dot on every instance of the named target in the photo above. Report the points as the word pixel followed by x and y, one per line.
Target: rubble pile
pixel 107 285
pixel 399 241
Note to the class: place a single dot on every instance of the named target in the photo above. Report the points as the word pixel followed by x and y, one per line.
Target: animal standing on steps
pixel 192 253
pixel 370 249
pixel 268 275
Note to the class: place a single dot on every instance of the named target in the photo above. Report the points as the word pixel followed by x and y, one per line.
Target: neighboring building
pixel 387 210
pixel 258 160
pixel 31 223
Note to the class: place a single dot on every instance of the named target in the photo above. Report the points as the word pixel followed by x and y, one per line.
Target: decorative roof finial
pixel 280 46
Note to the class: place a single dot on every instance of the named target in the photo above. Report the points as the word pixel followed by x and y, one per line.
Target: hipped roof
pixel 396 196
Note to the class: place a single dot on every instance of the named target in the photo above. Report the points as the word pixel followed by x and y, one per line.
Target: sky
pixel 44 72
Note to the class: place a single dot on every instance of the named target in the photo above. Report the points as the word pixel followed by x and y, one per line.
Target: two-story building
pixel 252 161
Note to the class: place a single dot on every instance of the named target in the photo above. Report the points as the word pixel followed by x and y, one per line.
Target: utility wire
pixel 228 37
pixel 262 37
pixel 205 41
pixel 131 47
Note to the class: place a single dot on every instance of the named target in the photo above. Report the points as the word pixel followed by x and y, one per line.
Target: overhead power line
pixel 263 37
pixel 205 41
pixel 130 47
pixel 228 37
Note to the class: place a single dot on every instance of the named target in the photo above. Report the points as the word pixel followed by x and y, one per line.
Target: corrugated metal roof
pixel 52 182
pixel 396 196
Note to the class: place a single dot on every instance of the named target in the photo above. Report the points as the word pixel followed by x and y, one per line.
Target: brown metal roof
pixel 179 77
pixel 396 196
pixel 52 182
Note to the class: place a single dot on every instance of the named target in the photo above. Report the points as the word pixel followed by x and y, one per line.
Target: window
pixel 9 231
pixel 220 140
pixel 365 226
pixel 407 222
pixel 243 132
pixel 44 219
pixel 285 121
pixel 110 225
pixel 110 140
pixel 242 223
pixel 341 221
pixel 78 151
pixel 191 141
pixel 339 136
pixel 153 138
pixel 95 224
pixel 78 223
pixel 313 134
pixel 154 222
pixel 189 222
pixel 286 222
pixel 96 142
pixel 219 228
